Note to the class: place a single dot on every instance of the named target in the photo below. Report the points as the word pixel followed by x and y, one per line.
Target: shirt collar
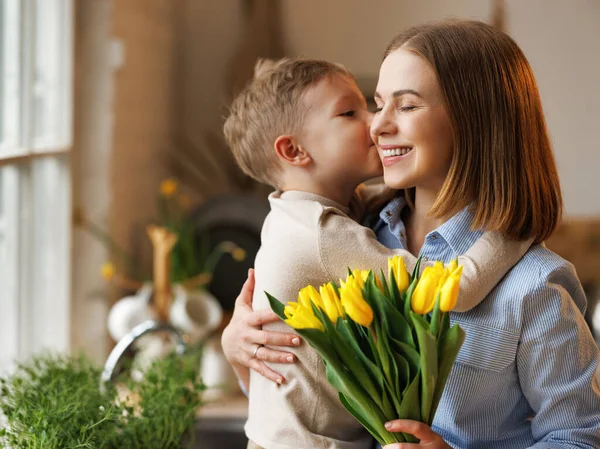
pixel 390 214
pixel 456 231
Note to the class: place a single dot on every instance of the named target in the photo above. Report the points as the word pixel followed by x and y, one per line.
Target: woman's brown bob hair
pixel 503 165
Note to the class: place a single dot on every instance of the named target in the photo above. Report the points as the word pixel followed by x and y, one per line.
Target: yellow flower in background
pixel 450 290
pixel 108 271
pixel 331 302
pixel 353 302
pixel 423 298
pixel 238 254
pixel 397 268
pixel 299 316
pixel 168 187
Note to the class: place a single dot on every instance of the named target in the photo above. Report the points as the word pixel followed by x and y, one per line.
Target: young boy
pixel 302 126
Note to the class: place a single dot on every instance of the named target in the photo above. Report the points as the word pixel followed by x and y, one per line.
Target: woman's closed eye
pixel 407 108
pixel 350 113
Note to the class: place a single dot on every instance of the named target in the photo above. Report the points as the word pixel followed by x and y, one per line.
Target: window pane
pixel 50 77
pixel 2 101
pixel 1 197
pixel 49 255
pixel 9 261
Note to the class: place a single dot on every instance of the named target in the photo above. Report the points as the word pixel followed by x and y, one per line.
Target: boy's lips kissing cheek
pixel 390 154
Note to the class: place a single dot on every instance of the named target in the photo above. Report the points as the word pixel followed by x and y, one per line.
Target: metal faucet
pixel 147 327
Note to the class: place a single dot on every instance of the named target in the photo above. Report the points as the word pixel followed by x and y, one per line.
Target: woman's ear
pixel 289 152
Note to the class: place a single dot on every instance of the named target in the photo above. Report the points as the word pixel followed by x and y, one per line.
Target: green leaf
pixel 415 273
pixel 449 346
pixel 276 305
pixel 392 321
pixel 410 408
pixel 395 294
pixel 410 354
pixel 346 335
pixel 368 410
pixel 358 414
pixel 434 325
pixel 429 365
pixel 407 299
pixel 386 289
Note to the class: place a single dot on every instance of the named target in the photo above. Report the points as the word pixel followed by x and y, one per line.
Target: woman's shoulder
pixel 543 273
pixel 543 263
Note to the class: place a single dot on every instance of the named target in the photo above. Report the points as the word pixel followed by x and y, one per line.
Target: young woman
pixel 460 100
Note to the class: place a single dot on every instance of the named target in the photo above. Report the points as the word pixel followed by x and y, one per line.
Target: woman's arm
pixel 556 361
pixel 244 342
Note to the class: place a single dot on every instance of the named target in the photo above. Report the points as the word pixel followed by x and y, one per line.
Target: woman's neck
pixel 418 223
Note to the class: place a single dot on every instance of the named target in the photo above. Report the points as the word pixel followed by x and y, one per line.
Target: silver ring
pixel 256 350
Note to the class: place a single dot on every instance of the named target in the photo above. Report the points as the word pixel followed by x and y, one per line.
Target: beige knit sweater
pixel 308 239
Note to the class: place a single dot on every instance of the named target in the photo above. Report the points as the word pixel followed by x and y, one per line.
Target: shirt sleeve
pixel 484 264
pixel 343 244
pixel 557 360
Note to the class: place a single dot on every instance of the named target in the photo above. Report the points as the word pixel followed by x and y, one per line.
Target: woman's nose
pixel 382 123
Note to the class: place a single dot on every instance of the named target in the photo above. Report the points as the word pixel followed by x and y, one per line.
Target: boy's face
pixel 336 134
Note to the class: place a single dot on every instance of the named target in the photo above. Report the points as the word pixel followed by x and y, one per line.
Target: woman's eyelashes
pixel 406 108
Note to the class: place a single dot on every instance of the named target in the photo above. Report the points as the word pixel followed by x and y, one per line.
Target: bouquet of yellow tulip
pixel 387 343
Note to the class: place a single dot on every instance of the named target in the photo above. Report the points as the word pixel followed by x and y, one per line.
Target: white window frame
pixel 35 227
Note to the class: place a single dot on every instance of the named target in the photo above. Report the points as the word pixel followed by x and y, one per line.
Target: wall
pixel 94 90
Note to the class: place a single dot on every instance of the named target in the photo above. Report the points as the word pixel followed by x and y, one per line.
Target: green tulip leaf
pixel 429 365
pixel 449 346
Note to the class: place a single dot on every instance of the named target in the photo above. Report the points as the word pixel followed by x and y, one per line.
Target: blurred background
pixel 101 101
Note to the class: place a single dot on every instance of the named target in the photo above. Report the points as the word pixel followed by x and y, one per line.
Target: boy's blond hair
pixel 269 106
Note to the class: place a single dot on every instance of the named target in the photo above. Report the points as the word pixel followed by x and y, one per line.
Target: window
pixel 36 52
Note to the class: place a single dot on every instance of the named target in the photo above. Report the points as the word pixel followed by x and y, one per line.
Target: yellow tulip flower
pixel 301 317
pixel 423 297
pixel 353 302
pixel 450 290
pixel 453 265
pixel 331 301
pixel 309 295
pixel 397 268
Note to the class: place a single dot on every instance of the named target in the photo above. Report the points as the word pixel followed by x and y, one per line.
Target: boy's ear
pixel 289 152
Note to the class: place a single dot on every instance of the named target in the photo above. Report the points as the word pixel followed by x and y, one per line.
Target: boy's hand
pixel 243 339
pixel 428 438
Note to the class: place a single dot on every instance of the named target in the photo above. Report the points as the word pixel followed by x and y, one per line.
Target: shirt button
pixel 425 259
pixel 388 213
pixel 434 237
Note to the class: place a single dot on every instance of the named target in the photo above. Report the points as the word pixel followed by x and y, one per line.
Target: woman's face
pixel 412 128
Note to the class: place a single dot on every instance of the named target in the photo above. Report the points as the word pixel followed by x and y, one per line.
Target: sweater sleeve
pixel 484 264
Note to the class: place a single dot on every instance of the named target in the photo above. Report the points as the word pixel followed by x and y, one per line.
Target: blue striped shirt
pixel 525 376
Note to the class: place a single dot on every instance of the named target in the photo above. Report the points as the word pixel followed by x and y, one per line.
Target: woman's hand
pixel 428 438
pixel 244 341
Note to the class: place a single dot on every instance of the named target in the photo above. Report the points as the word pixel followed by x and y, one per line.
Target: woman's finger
pixel 245 296
pixel 260 317
pixel 261 337
pixel 418 429
pixel 271 355
pixel 261 368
